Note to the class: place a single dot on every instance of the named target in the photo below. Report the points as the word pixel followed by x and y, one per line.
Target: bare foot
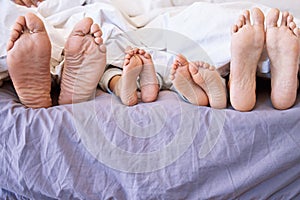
pixel 246 47
pixel 148 79
pixel 184 84
pixel 211 82
pixel 283 49
pixel 126 87
pixel 85 61
pixel 28 59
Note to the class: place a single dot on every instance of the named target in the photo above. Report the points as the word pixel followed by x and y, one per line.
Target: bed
pixel 167 149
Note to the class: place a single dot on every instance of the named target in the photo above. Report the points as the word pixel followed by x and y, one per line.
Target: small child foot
pixel 184 84
pixel 126 87
pixel 211 82
pixel 148 80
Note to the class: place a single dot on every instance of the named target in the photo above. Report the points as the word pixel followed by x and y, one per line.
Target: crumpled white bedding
pixel 200 31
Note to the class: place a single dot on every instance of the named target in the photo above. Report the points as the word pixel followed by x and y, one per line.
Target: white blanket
pixel 200 31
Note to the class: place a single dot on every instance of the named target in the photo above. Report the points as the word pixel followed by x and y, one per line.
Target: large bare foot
pixel 246 47
pixel 126 87
pixel 148 80
pixel 184 83
pixel 28 59
pixel 85 61
pixel 283 48
pixel 211 82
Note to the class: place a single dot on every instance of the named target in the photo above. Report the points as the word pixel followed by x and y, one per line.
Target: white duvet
pixel 200 31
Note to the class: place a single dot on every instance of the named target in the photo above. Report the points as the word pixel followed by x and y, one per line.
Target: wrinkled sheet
pixel 163 150
pixel 168 149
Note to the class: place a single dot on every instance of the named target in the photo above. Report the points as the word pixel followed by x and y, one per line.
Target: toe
pixel 292 26
pixel 33 23
pixel 296 31
pixel 98 34
pixel 96 31
pixel 20 24
pixel 193 68
pixel 142 51
pixel 175 65
pixel 135 50
pixel 182 60
pixel 247 17
pixel 9 45
pixel 173 71
pixel 128 56
pixel 258 17
pixel 240 23
pixel 126 62
pixel 290 19
pixel 83 27
pixel 98 40
pixel 130 51
pixel 148 55
pixel 102 47
pixel 200 63
pixel 206 66
pixel 234 29
pixel 15 33
pixel 212 68
pixel 272 18
pixel 284 18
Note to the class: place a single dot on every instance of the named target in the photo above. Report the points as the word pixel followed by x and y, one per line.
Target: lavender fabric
pixel 168 149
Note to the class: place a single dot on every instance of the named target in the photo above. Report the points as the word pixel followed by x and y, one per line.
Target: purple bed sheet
pixel 167 149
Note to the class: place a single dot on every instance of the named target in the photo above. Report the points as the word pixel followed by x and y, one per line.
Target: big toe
pixel 182 60
pixel 193 68
pixel 83 27
pixel 33 23
pixel 258 16
pixel 272 18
